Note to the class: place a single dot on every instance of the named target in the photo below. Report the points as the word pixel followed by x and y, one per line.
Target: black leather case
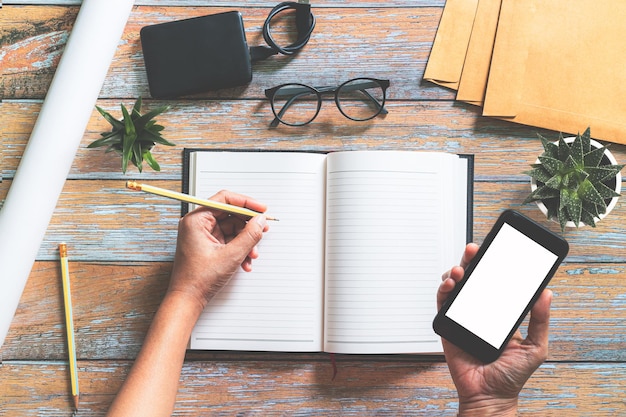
pixel 196 55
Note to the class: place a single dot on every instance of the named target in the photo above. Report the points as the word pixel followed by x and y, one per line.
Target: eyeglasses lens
pixel 295 104
pixel 361 99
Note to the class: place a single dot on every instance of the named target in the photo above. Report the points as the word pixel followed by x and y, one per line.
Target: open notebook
pixel 354 263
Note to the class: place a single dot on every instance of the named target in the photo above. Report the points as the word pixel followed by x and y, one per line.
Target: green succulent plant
pixel 572 180
pixel 134 136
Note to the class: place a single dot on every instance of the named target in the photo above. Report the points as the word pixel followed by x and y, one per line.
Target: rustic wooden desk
pixel 122 243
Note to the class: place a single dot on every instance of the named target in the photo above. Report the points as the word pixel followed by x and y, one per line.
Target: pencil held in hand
pixel 228 208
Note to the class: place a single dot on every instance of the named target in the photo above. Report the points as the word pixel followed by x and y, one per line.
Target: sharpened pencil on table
pixel 69 323
pixel 227 208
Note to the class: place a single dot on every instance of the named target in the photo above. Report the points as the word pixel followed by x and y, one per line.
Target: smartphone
pixel 500 285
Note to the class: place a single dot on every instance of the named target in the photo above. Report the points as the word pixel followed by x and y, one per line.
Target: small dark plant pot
pixel 614 183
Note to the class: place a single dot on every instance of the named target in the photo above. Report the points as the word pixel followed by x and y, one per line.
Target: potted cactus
pixel 575 181
pixel 134 136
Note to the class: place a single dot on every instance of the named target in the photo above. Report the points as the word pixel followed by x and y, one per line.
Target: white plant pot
pixel 610 206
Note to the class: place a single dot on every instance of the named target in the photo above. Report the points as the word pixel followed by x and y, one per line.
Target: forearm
pixel 151 386
pixel 489 408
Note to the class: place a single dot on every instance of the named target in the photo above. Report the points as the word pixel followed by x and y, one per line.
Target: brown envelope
pixel 561 65
pixel 447 55
pixel 478 58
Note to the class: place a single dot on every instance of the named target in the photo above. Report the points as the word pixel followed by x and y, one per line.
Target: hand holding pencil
pixel 211 246
pixel 225 207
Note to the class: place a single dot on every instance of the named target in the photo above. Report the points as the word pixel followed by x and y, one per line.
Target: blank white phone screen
pixel 501 285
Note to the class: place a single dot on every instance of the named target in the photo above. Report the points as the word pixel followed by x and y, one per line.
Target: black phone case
pixel 457 334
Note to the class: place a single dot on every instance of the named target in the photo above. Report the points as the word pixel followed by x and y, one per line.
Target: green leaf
pixel 555 182
pixel 550 149
pixel 539 173
pixel 592 209
pixel 127 155
pixel 129 125
pixel 565 196
pixel 572 204
pixel 563 219
pixel 564 150
pixel 137 157
pixel 141 122
pixel 553 210
pixel 107 139
pixel 588 219
pixel 571 164
pixel 577 152
pixel 154 127
pixel 124 162
pixel 115 147
pixel 112 120
pixel 573 179
pixel 137 107
pixel 155 137
pixel 570 208
pixel 617 168
pixel 586 140
pixel 151 161
pixel 587 192
pixel 129 139
pixel 606 192
pixel 542 193
pixel 602 173
pixel 594 157
pixel 145 144
pixel 552 165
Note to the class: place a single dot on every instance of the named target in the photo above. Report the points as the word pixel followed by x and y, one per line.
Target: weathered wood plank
pixel 123 242
pixel 392 43
pixel 106 222
pixel 277 388
pixel 115 302
pixel 113 307
pixel 249 3
pixel 503 150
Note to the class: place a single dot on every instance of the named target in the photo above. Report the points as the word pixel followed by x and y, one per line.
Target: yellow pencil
pixel 69 322
pixel 194 200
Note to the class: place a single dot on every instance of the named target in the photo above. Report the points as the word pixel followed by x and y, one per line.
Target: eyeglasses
pixel 298 104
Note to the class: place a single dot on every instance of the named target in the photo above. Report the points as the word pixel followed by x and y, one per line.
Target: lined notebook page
pixel 277 306
pixel 390 235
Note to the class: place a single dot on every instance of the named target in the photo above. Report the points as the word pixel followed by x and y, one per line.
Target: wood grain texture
pixel 122 242
pixel 107 222
pixel 290 388
pixel 503 150
pixel 33 37
pixel 114 303
pixel 251 3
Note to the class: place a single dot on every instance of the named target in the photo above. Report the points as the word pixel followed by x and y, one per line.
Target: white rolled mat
pixel 53 143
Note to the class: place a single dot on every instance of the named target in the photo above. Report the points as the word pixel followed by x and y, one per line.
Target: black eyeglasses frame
pixel 270 93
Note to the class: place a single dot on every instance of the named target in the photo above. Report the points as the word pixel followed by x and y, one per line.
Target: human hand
pixel 492 389
pixel 211 246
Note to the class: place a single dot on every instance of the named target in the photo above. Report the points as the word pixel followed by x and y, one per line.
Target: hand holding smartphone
pixel 512 267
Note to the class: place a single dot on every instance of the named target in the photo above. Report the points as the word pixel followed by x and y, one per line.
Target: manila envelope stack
pixel 558 64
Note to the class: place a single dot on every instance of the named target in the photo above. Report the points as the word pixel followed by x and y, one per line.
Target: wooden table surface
pixel 122 243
